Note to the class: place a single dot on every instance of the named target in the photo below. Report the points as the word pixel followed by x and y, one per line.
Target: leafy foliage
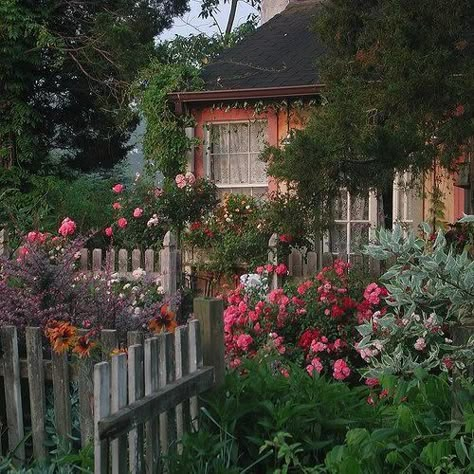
pixel 66 71
pixel 398 77
pixel 165 143
pixel 431 297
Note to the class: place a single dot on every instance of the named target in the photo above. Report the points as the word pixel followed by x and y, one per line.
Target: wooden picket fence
pixel 148 401
pixel 161 371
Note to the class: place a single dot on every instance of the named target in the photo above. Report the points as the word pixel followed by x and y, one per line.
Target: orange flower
pixel 119 350
pixel 83 347
pixel 165 321
pixel 61 336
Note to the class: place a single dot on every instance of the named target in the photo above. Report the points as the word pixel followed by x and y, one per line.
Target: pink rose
pixel 372 382
pixel 22 252
pixel 158 192
pixel 281 269
pixel 180 181
pixel 36 236
pixel 234 363
pixel 190 178
pixel 118 188
pixel 269 268
pixel 117 205
pixel 122 222
pixel 68 227
pixel 109 232
pixel 244 341
pixel 315 365
pixel 137 213
pixel 341 370
pixel 260 270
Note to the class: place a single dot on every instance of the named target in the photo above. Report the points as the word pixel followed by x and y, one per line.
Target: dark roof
pixel 280 53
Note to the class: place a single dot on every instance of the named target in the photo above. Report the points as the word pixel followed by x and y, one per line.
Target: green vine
pixel 165 142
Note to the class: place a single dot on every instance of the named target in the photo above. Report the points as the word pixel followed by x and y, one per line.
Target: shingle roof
pixel 282 52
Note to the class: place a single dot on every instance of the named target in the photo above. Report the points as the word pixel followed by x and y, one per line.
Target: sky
pixel 191 23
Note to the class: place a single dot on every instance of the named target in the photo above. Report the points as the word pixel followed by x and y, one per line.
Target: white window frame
pixel 209 155
pixel 401 214
pixel 371 221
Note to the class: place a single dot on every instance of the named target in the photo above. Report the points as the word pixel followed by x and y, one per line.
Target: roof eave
pixel 246 94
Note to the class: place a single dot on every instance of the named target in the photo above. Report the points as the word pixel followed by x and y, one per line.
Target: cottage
pixel 263 88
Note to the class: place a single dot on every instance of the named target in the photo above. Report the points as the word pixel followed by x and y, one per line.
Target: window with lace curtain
pixel 355 220
pixel 233 157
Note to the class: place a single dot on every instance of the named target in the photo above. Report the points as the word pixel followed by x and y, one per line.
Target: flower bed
pixel 313 324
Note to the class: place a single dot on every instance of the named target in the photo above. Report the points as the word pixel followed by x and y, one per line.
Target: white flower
pixel 160 290
pixel 416 317
pixel 137 311
pixel 448 341
pixel 378 345
pixel 138 273
pixel 404 321
pixel 420 344
pixel 126 286
pixel 228 219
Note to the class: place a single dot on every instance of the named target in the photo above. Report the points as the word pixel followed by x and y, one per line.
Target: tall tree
pixel 399 82
pixel 66 70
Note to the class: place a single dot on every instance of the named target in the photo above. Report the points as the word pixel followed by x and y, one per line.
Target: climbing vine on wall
pixel 165 142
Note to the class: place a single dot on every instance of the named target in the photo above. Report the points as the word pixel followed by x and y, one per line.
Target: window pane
pixel 340 206
pixel 239 172
pixel 220 167
pixel 339 239
pixel 258 173
pixel 220 139
pixel 359 236
pixel 359 208
pixel 239 137
pixel 258 136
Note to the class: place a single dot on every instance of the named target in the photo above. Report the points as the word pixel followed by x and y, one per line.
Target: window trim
pixel 401 192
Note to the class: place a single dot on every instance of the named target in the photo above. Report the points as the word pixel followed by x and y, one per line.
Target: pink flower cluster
pixel 68 227
pixel 281 269
pixel 183 180
pixel 314 322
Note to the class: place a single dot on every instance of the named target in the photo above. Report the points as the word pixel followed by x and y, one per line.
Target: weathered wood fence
pixel 147 402
pixel 152 366
pixel 306 264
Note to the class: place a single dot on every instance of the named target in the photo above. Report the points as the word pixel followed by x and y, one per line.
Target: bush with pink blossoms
pixel 43 284
pixel 313 323
pixel 144 212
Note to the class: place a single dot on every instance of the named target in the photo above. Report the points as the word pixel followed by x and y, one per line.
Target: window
pixel 233 157
pixel 354 224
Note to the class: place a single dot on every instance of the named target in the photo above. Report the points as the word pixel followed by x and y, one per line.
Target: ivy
pixel 165 142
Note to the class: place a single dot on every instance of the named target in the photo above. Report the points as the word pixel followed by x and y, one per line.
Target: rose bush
pixel 313 324
pixel 144 212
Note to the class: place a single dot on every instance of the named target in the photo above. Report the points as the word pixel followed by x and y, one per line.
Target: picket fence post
pixel 168 265
pixel 210 314
pixel 275 281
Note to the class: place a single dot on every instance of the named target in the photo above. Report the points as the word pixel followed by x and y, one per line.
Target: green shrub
pixel 262 422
